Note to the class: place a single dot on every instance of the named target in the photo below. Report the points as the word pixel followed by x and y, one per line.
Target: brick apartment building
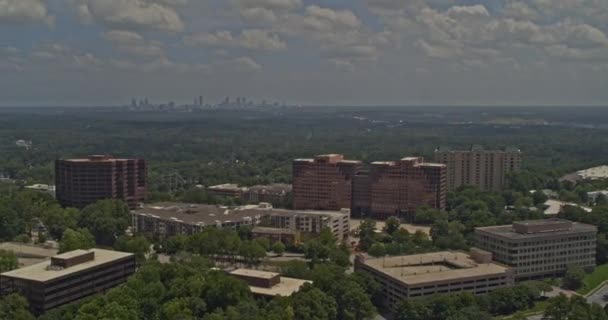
pixel 540 248
pixel 80 182
pixel 485 169
pixel 388 188
pixel 398 188
pixel 323 183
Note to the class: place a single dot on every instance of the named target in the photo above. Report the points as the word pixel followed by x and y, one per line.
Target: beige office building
pixel 485 169
pixel 422 275
pixel 540 248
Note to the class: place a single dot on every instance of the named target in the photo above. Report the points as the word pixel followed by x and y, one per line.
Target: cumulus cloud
pixel 254 39
pixel 133 43
pixel 130 14
pixel 16 12
pixel 269 4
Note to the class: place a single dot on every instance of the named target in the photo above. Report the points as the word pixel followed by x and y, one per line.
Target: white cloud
pixel 269 4
pixel 23 12
pixel 132 43
pixel 255 39
pixel 130 14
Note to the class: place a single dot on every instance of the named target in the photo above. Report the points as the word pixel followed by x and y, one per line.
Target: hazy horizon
pixel 305 52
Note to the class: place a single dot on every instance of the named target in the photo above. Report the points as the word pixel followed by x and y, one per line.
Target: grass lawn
pixel 594 279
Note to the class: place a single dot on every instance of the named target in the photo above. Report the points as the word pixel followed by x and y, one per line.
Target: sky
pixel 310 52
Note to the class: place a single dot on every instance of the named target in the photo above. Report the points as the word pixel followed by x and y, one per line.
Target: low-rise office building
pixel 68 277
pixel 540 248
pixel 169 219
pixel 268 284
pixel 421 275
pixel 276 193
pixel 228 190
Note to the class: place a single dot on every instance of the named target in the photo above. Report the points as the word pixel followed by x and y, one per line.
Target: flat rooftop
pixel 96 158
pixel 600 172
pixel 211 214
pixel 254 273
pixel 434 267
pixel 226 186
pixel 509 231
pixel 477 148
pixel 40 272
pixel 286 287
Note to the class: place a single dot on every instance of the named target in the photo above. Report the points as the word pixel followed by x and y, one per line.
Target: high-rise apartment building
pixel 80 182
pixel 388 188
pixel 485 169
pixel 540 248
pixel 323 183
pixel 398 188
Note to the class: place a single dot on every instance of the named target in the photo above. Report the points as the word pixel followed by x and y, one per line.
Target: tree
pixel 601 200
pixel 539 197
pixel 316 251
pixel 573 279
pixel 8 261
pixel 14 307
pixel 106 220
pixel 138 245
pixel 392 225
pixel 221 291
pixel 312 304
pixel 377 250
pixel 11 222
pixel 449 235
pixel 57 220
pixel 367 234
pixel 352 301
pixel 252 252
pixel 278 248
pixel 76 239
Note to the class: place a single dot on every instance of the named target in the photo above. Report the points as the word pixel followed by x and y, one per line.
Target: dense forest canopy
pixel 250 147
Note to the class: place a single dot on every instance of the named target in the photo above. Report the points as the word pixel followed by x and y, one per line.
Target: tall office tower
pixel 398 188
pixel 485 169
pixel 80 182
pixel 323 183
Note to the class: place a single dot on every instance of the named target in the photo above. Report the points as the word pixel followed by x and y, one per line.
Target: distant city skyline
pixel 304 52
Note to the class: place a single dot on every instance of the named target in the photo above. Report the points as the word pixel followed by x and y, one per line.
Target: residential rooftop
pixel 204 214
pixel 43 272
pixel 433 267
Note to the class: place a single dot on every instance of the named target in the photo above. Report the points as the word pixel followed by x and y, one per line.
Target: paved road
pixel 598 296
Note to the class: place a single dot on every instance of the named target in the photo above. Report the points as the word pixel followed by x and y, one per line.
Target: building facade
pixel 323 183
pixel 540 248
pixel 423 275
pixel 68 277
pixel 169 219
pixel 398 188
pixel 80 182
pixel 278 194
pixel 485 169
